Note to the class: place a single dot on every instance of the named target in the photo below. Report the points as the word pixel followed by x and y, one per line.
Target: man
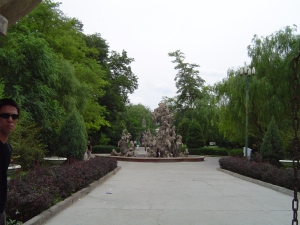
pixel 9 114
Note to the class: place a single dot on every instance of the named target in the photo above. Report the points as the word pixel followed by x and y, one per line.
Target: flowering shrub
pixel 39 189
pixel 260 171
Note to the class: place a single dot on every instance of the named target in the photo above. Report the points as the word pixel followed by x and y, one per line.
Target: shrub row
pixel 236 153
pixel 208 151
pixel 104 149
pixel 260 171
pixel 31 193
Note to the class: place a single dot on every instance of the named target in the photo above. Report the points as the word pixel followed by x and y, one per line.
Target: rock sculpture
pixel 127 148
pixel 131 150
pixel 115 153
pixel 166 143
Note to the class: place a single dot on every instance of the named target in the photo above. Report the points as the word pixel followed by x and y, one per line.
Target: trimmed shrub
pixel 208 151
pixel 104 149
pixel 260 171
pixel 183 128
pixel 272 148
pixel 72 137
pixel 194 137
pixel 236 153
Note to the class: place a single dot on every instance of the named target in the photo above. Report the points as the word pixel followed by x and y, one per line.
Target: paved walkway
pixel 177 193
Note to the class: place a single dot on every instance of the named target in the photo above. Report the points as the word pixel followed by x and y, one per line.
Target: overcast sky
pixel 212 33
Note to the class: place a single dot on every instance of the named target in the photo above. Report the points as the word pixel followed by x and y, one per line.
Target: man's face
pixel 8 125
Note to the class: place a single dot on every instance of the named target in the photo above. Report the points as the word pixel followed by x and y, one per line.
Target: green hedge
pixel 208 151
pixel 236 153
pixel 104 149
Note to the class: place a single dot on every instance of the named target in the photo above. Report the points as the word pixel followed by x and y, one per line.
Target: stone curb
pixel 259 182
pixel 47 214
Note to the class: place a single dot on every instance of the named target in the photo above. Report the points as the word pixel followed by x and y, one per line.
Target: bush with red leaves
pixel 260 171
pixel 39 189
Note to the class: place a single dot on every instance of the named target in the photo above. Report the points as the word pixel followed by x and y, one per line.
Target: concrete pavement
pixel 177 193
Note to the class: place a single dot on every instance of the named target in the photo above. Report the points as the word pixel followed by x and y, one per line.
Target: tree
pixel 269 90
pixel 75 65
pixel 72 137
pixel 272 148
pixel 188 82
pixel 28 146
pixel 97 42
pixel 171 103
pixel 195 137
pixel 123 81
pixel 29 73
pixel 134 116
pixel 231 106
pixel 183 128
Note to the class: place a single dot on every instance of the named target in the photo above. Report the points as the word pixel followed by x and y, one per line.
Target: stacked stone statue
pixel 127 148
pixel 166 143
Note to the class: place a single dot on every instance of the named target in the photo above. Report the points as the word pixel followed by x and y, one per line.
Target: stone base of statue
pixel 55 160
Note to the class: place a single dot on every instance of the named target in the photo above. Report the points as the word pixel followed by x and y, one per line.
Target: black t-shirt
pixel 5 155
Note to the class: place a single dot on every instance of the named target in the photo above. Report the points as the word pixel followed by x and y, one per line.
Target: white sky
pixel 212 33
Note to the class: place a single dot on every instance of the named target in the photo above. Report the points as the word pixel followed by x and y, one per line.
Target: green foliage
pixel 115 131
pixel 269 89
pixel 29 74
pixel 272 147
pixel 103 139
pixel 13 222
pixel 183 128
pixel 133 118
pixel 188 81
pixel 104 149
pixel 123 79
pixel 72 137
pixel 236 153
pixel 28 147
pixel 208 151
pixel 1 87
pixel 183 147
pixel 195 136
pixel 205 112
pixel 97 42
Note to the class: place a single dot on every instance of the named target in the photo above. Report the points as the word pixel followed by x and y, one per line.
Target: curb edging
pixel 55 209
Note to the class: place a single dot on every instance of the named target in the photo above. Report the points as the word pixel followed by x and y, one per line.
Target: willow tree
pixel 231 100
pixel 269 90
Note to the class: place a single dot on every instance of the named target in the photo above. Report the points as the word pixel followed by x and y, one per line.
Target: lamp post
pixel 247 72
pixel 192 106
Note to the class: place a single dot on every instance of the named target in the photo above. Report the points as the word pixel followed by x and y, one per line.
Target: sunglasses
pixel 7 115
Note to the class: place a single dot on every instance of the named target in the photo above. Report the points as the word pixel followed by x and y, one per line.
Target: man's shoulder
pixel 9 147
pixel 6 147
